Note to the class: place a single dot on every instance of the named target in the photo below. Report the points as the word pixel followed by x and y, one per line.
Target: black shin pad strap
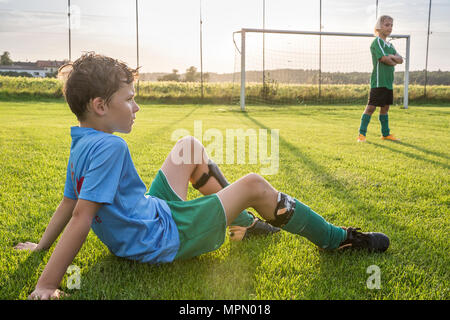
pixel 284 210
pixel 202 181
pixel 215 172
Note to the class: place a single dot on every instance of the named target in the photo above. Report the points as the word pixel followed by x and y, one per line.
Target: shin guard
pixel 297 218
pixel 215 172
pixel 284 210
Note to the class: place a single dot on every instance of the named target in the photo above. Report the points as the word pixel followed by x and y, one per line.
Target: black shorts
pixel 380 97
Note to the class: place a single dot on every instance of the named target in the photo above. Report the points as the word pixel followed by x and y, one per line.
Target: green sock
pixel 244 219
pixel 384 120
pixel 365 119
pixel 307 223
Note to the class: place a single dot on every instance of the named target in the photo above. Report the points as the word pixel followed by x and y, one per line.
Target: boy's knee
pixel 193 149
pixel 191 141
pixel 256 185
pixel 384 110
pixel 188 140
pixel 370 109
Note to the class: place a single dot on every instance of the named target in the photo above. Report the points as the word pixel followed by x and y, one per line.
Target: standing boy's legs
pixel 365 119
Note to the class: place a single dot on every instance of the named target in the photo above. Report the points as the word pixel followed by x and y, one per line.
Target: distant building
pixel 39 68
pixel 50 66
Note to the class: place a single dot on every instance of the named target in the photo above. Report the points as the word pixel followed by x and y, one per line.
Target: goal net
pixel 302 67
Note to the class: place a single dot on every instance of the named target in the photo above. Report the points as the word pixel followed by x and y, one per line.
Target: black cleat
pixel 258 228
pixel 371 241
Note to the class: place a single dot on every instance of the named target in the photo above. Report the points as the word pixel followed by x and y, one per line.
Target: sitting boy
pixel 103 190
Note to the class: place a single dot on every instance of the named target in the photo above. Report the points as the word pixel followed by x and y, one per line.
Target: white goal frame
pixel 243 31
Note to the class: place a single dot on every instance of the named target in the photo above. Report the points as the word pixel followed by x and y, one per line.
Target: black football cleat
pixel 371 241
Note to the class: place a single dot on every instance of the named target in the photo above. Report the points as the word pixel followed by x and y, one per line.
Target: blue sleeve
pixel 104 170
pixel 69 191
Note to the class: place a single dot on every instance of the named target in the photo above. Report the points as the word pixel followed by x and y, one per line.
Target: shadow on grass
pixel 433 153
pixel 23 277
pixel 409 154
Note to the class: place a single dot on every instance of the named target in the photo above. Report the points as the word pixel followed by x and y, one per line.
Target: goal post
pixel 244 52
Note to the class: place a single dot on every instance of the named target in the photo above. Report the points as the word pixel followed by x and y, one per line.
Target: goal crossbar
pixel 243 31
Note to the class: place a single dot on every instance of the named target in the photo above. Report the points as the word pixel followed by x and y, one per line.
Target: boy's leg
pixel 245 219
pixel 180 168
pixel 365 119
pixel 254 191
pixel 245 224
pixel 293 216
pixel 384 120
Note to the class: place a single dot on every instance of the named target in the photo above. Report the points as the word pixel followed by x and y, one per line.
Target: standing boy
pixel 384 58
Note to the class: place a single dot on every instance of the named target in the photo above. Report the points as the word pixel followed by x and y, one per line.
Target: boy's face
pixel 386 27
pixel 122 109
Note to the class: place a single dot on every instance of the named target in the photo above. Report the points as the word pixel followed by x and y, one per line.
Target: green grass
pixel 401 189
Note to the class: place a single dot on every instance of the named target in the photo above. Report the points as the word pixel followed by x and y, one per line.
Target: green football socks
pixel 365 119
pixel 384 120
pixel 307 223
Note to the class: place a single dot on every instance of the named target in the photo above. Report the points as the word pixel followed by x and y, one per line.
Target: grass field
pixel 401 189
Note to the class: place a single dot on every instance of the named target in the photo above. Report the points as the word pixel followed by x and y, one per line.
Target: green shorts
pixel 201 222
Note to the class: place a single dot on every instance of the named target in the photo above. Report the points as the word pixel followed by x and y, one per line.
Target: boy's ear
pixel 98 106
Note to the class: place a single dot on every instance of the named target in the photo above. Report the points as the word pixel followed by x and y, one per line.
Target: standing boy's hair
pixel 91 76
pixel 380 20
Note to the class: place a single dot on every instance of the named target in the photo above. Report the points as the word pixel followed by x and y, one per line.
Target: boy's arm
pixel 57 223
pixel 65 251
pixel 388 60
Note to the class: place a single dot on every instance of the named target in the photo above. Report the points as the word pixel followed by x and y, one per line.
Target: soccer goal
pixel 305 67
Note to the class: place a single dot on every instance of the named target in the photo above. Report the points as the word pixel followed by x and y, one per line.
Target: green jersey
pixel 382 74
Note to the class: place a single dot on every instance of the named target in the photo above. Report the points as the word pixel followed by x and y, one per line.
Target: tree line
pixel 299 76
pixel 313 76
pixel 191 75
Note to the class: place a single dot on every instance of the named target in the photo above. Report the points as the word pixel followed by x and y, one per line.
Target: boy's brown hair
pixel 91 76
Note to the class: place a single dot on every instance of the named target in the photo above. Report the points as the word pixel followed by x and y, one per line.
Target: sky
pixel 169 30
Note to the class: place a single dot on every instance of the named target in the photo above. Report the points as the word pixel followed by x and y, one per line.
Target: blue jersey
pixel 131 224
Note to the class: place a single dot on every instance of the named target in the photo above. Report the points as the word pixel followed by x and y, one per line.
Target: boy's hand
pixel 46 294
pixel 27 246
pixel 397 58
